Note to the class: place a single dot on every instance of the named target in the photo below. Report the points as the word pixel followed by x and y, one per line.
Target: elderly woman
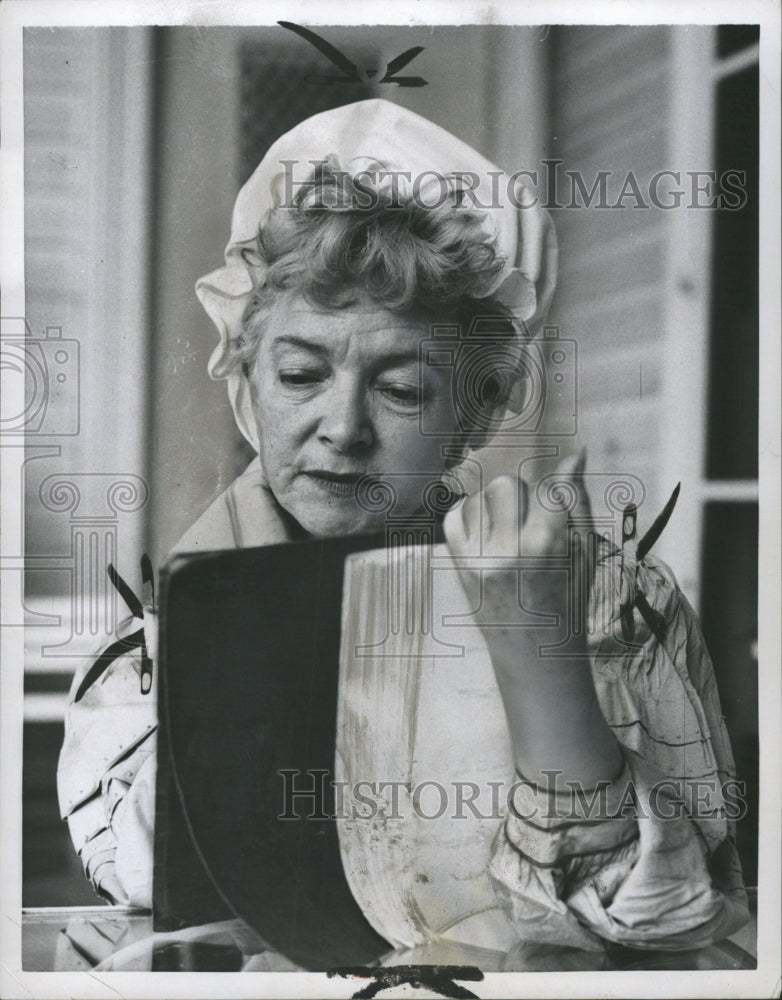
pixel 358 233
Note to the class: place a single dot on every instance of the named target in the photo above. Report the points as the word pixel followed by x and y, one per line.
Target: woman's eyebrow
pixel 399 358
pixel 287 340
pixel 381 363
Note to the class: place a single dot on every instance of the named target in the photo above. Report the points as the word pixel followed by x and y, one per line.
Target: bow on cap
pixel 355 137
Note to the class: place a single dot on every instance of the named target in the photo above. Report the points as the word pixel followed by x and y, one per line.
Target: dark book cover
pixel 250 645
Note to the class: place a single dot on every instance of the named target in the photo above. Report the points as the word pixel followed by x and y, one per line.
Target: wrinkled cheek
pixel 280 443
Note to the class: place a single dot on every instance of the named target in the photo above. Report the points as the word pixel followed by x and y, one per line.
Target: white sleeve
pixel 639 878
pixel 105 776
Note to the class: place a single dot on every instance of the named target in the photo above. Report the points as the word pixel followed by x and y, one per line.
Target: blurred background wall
pixel 136 143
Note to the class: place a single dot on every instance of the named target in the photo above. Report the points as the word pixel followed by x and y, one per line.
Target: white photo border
pixel 14 16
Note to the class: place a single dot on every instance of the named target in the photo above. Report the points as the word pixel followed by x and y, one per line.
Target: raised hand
pixel 553 714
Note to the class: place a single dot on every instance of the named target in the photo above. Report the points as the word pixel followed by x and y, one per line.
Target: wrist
pixel 554 717
pixel 526 654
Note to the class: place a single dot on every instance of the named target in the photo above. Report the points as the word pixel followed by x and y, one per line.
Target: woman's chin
pixel 335 520
pixel 338 527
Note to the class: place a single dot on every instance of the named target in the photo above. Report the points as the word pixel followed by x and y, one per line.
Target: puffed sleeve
pixel 622 863
pixel 105 777
pixel 673 894
pixel 646 861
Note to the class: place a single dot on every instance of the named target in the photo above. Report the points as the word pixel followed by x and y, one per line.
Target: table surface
pixel 84 938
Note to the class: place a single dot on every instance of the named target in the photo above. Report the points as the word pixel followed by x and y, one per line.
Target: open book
pixel 252 787
pixel 334 755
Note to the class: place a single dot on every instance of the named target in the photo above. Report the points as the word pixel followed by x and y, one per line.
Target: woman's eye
pixel 300 379
pixel 403 395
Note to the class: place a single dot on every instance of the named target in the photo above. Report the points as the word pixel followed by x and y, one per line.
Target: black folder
pixel 249 661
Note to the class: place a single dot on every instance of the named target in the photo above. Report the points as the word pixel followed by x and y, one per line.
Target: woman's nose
pixel 346 425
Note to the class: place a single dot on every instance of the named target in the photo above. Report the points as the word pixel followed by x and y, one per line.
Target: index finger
pixel 561 496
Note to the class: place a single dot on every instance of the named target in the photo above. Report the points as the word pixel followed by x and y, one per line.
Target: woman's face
pixel 339 395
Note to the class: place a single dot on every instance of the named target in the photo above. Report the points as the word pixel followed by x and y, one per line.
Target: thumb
pixel 571 471
pixel 560 497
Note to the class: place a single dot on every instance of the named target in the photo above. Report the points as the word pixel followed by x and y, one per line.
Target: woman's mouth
pixel 338 484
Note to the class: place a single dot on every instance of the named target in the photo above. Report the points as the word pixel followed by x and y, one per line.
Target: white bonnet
pixel 355 137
